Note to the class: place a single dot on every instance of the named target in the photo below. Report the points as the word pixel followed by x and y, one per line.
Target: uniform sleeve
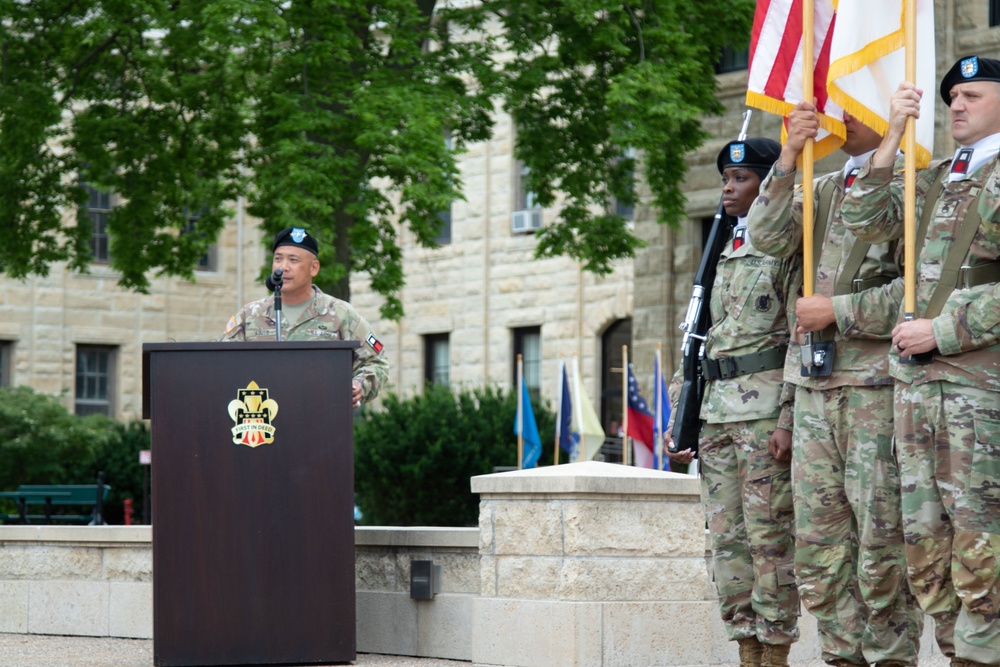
pixel 673 393
pixel 371 368
pixel 873 208
pixel 775 219
pixel 973 324
pixel 872 313
pixel 235 328
pixel 786 419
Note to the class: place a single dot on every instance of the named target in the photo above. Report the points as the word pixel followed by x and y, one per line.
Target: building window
pixel 524 199
pixel 207 262
pixel 6 362
pixel 98 209
pixel 444 232
pixel 437 358
pixel 95 367
pixel 612 381
pixel 527 215
pixel 732 60
pixel 622 208
pixel 994 13
pixel 528 343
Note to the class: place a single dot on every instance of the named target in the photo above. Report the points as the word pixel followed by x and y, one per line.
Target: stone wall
pixel 579 565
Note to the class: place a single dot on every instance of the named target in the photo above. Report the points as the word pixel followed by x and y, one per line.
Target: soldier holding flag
pixel 844 473
pixel 947 410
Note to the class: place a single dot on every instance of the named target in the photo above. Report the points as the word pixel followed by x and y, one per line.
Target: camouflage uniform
pixel 948 411
pixel 849 557
pixel 325 318
pixel 747 494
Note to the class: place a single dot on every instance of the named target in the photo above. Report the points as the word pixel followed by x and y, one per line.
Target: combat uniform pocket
pixel 984 482
pixel 884 448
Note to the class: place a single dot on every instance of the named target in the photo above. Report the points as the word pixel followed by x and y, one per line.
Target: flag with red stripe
pixel 775 77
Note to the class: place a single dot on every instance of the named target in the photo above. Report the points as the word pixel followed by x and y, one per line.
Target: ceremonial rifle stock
pixel 687 419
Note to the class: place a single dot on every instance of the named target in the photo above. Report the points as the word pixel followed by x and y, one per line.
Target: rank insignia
pixel 298 234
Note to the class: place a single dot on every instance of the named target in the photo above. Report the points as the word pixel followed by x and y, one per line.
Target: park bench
pixel 52 496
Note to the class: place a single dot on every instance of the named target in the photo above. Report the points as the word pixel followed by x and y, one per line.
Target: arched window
pixel 616 335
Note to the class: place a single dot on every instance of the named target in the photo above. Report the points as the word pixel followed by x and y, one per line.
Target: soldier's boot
pixel 962 662
pixel 775 655
pixel 751 651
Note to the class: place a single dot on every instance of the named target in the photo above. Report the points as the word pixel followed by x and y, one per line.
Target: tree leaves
pixel 342 117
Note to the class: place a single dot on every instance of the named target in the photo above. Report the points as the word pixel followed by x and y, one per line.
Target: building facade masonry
pixel 471 305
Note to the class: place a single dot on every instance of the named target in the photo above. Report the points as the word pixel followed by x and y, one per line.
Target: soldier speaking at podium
pixel 309 314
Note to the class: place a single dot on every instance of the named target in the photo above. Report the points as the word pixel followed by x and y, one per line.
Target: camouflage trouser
pixel 748 501
pixel 849 556
pixel 948 447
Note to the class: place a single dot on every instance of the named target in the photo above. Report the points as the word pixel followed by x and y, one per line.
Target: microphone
pixel 274 280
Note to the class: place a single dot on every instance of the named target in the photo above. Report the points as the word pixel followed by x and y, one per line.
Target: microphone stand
pixel 277 310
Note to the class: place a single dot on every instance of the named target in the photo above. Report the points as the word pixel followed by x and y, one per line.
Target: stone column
pixel 593 564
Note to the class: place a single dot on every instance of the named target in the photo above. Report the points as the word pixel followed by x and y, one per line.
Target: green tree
pixel 333 115
pixel 413 459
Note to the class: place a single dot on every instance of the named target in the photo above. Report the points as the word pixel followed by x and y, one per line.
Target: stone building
pixel 471 305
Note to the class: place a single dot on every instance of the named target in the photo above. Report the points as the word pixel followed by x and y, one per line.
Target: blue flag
pixel 564 422
pixel 525 426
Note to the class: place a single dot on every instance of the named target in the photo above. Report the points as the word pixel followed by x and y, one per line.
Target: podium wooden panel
pixel 253 547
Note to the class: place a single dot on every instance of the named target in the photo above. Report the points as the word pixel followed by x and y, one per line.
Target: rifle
pixel 697 320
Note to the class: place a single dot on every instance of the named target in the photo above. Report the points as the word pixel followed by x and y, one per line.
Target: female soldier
pixel 744 445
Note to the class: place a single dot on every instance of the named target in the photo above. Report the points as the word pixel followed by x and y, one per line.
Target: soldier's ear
pixel 314 268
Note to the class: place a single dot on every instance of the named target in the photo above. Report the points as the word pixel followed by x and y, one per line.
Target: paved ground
pixel 48 651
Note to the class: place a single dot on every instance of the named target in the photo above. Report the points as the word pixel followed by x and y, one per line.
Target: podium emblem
pixel 253 413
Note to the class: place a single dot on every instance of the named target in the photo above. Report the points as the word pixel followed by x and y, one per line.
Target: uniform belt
pixel 730 367
pixel 980 274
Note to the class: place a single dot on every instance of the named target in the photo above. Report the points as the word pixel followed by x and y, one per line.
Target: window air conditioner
pixel 526 221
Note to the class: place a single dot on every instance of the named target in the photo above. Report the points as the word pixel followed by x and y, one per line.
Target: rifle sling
pixel 953 269
pixel 755 362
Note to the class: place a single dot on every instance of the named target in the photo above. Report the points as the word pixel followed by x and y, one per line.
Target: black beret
pixel 295 236
pixel 755 153
pixel 971 68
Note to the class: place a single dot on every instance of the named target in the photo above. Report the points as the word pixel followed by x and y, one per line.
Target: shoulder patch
pixel 231 324
pixel 375 343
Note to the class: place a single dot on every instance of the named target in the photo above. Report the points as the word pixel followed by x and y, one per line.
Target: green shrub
pixel 41 442
pixel 414 458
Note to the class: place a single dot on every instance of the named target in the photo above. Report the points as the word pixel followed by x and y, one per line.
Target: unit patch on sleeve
pixel 375 343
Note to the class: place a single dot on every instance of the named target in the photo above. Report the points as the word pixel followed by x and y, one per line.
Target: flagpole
pixel 579 410
pixel 808 262
pixel 910 169
pixel 625 447
pixel 559 408
pixel 520 412
pixel 657 413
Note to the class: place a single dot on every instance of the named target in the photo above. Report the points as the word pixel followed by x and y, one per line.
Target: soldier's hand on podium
pixel 356 394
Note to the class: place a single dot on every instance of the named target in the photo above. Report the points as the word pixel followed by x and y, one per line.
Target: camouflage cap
pixel 295 236
pixel 757 154
pixel 970 68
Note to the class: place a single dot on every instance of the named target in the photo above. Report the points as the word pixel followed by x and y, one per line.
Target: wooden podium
pixel 253 496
